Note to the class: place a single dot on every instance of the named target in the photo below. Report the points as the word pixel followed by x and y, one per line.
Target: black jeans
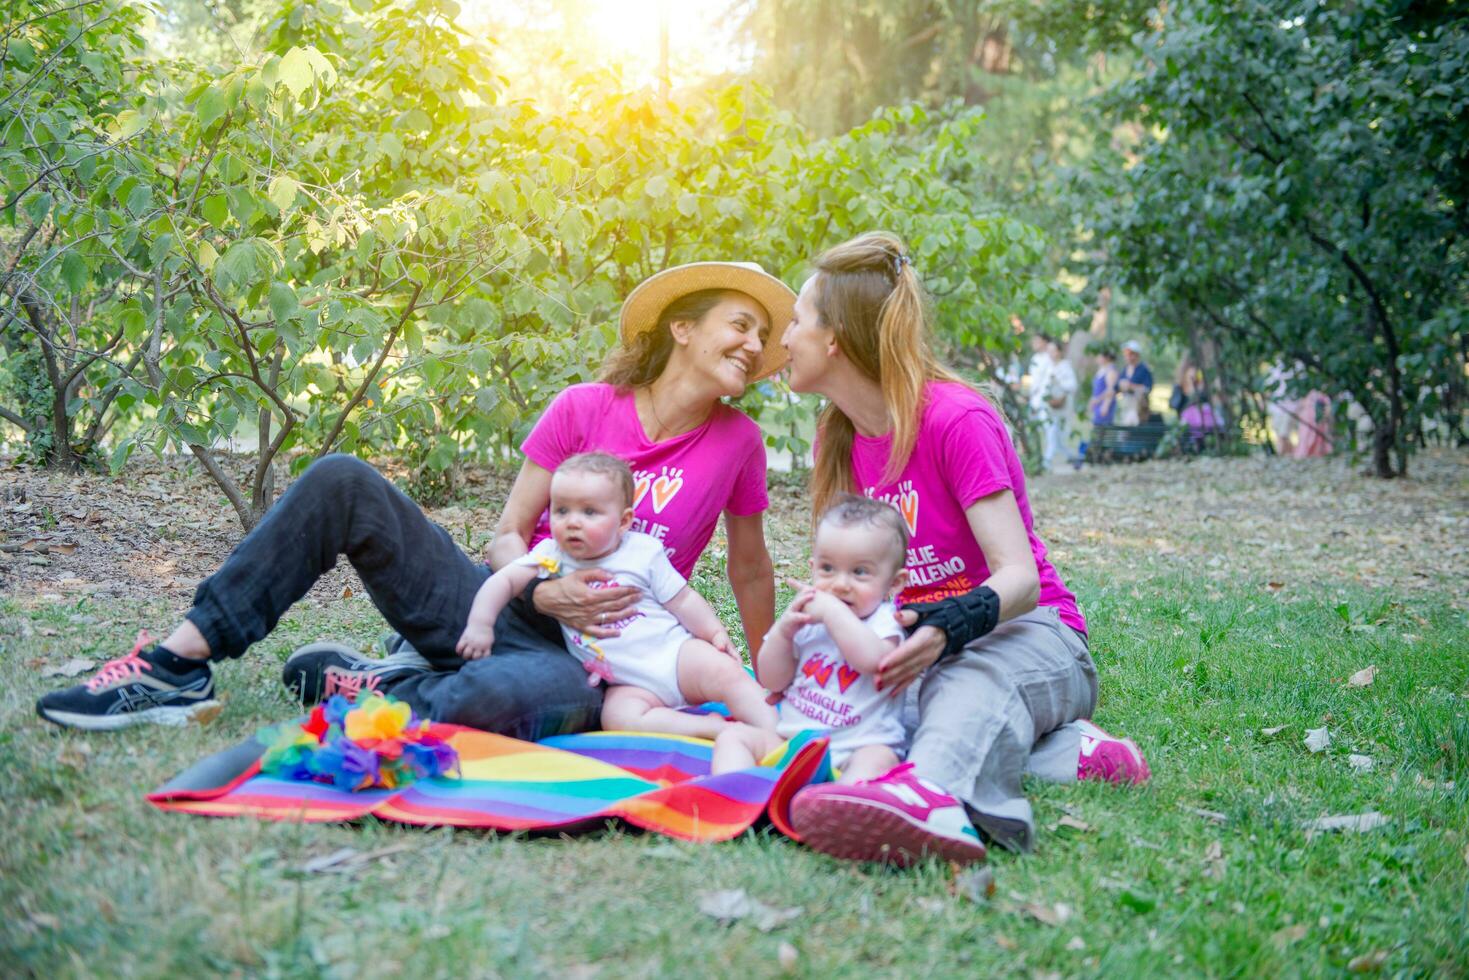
pixel 530 687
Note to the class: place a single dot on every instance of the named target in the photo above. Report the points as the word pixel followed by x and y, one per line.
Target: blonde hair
pixel 617 472
pixel 868 292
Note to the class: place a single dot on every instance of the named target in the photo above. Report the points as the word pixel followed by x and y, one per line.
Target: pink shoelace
pixel 123 668
pixel 897 773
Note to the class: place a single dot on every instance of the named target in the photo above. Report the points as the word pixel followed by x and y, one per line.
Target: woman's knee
pixel 339 473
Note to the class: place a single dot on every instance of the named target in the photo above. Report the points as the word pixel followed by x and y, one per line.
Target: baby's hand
pixel 822 605
pixel 476 640
pixel 725 645
pixel 794 617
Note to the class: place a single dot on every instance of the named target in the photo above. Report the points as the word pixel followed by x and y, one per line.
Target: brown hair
pixel 852 510
pixel 868 292
pixel 640 360
pixel 602 464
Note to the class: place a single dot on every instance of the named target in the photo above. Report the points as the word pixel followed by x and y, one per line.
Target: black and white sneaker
pixel 131 690
pixel 318 670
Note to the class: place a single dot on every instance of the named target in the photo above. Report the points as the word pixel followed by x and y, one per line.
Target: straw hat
pixel 646 303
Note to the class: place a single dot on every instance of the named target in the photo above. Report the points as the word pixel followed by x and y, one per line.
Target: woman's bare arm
pixel 751 576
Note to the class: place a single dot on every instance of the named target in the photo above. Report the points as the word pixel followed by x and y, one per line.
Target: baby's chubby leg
pixel 741 746
pixel 705 674
pixel 868 762
pixel 632 709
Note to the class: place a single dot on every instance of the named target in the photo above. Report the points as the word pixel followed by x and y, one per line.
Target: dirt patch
pixel 161 526
pixel 1284 525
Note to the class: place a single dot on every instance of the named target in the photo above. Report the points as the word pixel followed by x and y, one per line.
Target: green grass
pixel 94 880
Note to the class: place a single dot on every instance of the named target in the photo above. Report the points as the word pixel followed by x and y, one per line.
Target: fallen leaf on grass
pixel 1368 962
pixel 1290 934
pixel 1005 942
pixel 1317 739
pixel 733 904
pixel 1360 763
pixel 1211 815
pixel 75 755
pixel 1274 586
pixel 787 956
pixel 43 920
pixel 1429 784
pixel 347 859
pixel 1076 944
pixel 70 668
pixel 1051 915
pixel 1072 823
pixel 1357 822
pixel 1363 677
pixel 1214 860
pixel 975 884
pixel 330 862
pixel 346 592
pixel 1273 731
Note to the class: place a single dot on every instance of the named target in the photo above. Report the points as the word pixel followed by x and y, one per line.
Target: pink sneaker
pixel 896 818
pixel 1109 758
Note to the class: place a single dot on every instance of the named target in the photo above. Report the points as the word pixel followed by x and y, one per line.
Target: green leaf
pixel 606 176
pixel 38 206
pixel 657 186
pixel 74 271
pixel 119 457
pixel 283 302
pixel 688 205
pixel 213 104
pixel 238 266
pixel 282 191
pixel 415 120
pixel 295 71
pixel 127 124
pixel 216 210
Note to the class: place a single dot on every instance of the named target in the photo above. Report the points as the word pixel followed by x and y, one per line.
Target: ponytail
pixel 868 291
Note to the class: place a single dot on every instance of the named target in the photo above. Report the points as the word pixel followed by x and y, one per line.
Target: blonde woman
pixel 998 651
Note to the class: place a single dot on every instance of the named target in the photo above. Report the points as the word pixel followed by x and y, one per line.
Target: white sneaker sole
pixel 170 715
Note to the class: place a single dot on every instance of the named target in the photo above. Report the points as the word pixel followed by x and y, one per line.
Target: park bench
pixel 1125 443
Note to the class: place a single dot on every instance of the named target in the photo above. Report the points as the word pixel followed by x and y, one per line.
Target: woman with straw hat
pixel 691 336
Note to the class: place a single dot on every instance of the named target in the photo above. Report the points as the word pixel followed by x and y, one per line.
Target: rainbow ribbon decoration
pixel 374 743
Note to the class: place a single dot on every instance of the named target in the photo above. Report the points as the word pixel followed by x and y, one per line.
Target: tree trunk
pixel 1384 438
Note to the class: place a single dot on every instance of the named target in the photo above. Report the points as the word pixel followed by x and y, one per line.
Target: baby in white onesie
pixel 824 650
pixel 672 649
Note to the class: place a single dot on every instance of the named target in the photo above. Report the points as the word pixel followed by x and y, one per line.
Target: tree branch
pixel 361 392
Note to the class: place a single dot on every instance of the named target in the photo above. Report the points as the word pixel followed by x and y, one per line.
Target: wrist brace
pixel 963 618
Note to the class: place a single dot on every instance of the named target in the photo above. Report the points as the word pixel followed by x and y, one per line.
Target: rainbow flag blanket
pixel 565 783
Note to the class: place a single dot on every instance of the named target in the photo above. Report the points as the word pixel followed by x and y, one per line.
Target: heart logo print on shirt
pixel 908 505
pixel 819 669
pixel 665 488
pixel 640 488
pixel 845 676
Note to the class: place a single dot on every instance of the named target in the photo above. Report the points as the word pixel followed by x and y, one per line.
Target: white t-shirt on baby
pixel 645 653
pixel 828 693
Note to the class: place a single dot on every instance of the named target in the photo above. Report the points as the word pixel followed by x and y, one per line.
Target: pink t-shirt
pixel 682 484
pixel 963 452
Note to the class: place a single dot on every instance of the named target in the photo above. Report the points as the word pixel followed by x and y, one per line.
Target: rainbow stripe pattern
pixel 565 783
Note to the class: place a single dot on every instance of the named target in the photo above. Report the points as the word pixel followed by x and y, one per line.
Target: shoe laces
pixel 123 668
pixel 901 773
